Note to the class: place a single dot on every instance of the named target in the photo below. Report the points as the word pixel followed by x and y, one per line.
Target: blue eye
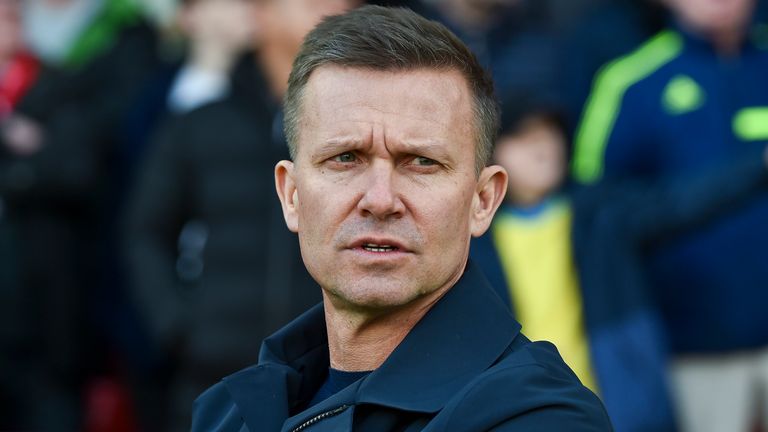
pixel 345 157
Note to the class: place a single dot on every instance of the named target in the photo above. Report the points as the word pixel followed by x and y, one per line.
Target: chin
pixel 374 296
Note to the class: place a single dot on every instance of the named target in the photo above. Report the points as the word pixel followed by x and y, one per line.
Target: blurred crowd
pixel 143 254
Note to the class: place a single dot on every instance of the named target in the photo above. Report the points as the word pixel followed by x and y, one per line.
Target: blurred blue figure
pixel 603 32
pixel 691 97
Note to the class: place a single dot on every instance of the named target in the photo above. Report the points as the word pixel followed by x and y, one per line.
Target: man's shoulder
pixel 232 404
pixel 215 410
pixel 529 385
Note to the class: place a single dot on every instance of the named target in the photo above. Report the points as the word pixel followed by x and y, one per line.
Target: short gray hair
pixel 391 39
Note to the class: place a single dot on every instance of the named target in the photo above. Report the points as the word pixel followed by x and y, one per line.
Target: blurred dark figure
pixel 18 70
pixel 54 183
pixel 569 258
pixel 214 269
pixel 511 38
pixel 215 35
pixel 202 40
pixel 690 98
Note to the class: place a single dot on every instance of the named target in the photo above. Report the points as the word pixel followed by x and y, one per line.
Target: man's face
pixel 383 192
pixel 713 15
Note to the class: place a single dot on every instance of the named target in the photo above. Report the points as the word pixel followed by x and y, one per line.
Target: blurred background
pixel 143 254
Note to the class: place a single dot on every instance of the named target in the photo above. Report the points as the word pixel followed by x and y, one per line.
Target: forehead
pixel 419 103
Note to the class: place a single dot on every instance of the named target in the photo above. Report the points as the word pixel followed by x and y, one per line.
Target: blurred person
pixel 532 260
pixel 203 40
pixel 205 247
pixel 18 70
pixel 575 253
pixel 691 97
pixel 531 238
pixel 215 34
pixel 218 32
pixel 54 185
pixel 389 120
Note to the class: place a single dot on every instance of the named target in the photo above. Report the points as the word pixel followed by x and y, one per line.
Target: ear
pixel 491 187
pixel 288 194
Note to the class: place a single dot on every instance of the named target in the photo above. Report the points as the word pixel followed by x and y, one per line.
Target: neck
pixel 728 42
pixel 363 340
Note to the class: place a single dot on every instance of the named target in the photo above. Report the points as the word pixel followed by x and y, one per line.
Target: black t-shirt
pixel 336 381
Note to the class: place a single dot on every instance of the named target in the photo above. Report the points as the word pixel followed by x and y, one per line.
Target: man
pixel 390 120
pixel 695 97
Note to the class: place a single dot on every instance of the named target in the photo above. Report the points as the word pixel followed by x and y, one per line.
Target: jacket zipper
pixel 319 417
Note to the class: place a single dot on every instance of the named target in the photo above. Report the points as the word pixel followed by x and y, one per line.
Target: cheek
pixel 445 216
pixel 322 207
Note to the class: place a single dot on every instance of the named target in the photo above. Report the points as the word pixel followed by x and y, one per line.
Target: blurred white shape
pixel 194 87
pixel 161 12
pixel 52 27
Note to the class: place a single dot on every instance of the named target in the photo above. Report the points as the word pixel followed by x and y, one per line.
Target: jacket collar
pixel 460 337
pixel 463 334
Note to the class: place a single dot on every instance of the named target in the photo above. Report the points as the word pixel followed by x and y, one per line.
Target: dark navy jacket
pixel 465 366
pixel 671 108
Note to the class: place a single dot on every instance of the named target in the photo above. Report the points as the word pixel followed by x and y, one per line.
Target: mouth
pixel 378 245
pixel 379 248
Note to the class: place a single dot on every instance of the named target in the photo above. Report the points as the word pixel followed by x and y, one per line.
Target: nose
pixel 381 198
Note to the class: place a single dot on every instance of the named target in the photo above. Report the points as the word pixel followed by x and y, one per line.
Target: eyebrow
pixel 428 148
pixel 333 146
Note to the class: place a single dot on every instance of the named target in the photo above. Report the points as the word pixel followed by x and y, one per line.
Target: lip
pixel 360 242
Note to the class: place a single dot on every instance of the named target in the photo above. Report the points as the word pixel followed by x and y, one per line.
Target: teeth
pixel 378 248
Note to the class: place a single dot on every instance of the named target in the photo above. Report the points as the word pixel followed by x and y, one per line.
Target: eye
pixel 423 161
pixel 345 157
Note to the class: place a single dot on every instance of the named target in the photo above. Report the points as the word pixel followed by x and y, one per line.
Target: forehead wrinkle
pixel 406 116
pixel 348 142
pixel 430 146
pixel 357 105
